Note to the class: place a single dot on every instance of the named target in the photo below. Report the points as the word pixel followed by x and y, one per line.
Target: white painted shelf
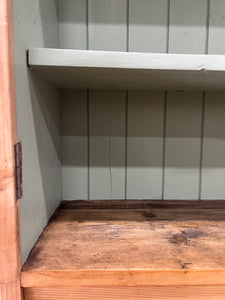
pixel 128 70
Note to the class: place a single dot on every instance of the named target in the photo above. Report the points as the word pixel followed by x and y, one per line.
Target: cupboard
pixel 120 112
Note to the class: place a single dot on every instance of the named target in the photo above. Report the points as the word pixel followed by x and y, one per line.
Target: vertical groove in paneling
pixel 88 145
pixel 128 22
pixel 126 146
pixel 164 144
pixel 202 143
pixel 168 26
pixel 207 27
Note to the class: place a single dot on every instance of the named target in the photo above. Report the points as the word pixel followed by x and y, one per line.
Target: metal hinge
pixel 18 170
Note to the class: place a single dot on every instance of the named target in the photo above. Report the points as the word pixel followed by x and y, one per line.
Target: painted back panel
pixel 169 139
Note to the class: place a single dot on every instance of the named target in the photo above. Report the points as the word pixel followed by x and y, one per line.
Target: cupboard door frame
pixel 10 249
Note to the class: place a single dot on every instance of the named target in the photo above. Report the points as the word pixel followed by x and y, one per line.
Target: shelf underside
pixel 82 69
pixel 130 243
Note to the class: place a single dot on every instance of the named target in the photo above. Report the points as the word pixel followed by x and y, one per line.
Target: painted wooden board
pixel 107 25
pixel 216 43
pixel 213 172
pixel 72 22
pixel 127 293
pixel 118 70
pixel 162 244
pixel 107 144
pixel 213 167
pixel 147 33
pixel 145 145
pixel 74 138
pixel 148 20
pixel 182 145
pixel 187 26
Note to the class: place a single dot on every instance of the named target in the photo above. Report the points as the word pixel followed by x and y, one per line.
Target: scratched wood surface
pixel 162 244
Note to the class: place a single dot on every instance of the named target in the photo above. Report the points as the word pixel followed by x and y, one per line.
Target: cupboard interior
pixel 117 144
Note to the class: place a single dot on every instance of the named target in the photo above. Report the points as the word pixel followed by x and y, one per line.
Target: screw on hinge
pixel 18 170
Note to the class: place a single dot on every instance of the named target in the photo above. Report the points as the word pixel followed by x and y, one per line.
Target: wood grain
pixel 10 291
pixel 10 256
pixel 128 293
pixel 130 247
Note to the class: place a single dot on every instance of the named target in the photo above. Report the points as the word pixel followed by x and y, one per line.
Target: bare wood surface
pixel 10 258
pixel 10 291
pixel 130 247
pixel 127 293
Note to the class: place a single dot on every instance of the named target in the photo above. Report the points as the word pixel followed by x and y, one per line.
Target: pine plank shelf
pixel 83 69
pixel 130 243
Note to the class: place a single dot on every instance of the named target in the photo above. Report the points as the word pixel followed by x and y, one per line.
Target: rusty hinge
pixel 18 170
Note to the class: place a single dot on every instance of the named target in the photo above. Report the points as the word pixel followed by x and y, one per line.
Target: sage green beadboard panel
pixel 107 30
pixel 148 20
pixel 187 26
pixel 213 161
pixel 148 31
pixel 216 42
pixel 145 145
pixel 74 129
pixel 213 172
pixel 107 144
pixel 187 34
pixel 183 144
pixel 72 15
pixel 107 25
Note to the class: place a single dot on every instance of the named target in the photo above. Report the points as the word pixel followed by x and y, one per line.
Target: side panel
pixel 38 116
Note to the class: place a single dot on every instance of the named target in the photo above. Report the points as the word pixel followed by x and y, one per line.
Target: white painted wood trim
pixel 125 60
